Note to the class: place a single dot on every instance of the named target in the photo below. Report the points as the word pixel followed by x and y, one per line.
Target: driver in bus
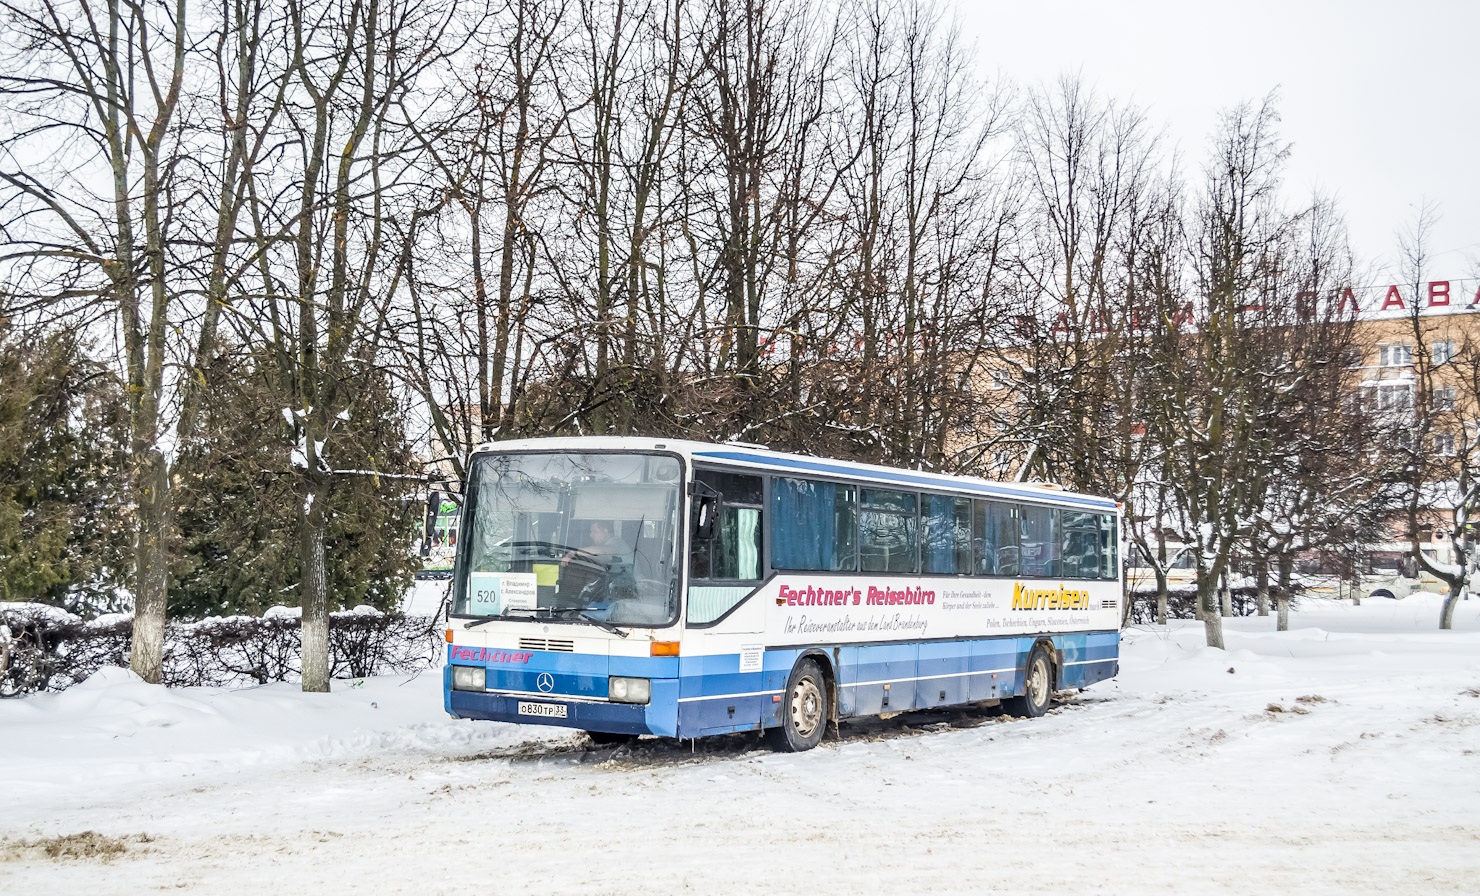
pixel 608 551
pixel 605 547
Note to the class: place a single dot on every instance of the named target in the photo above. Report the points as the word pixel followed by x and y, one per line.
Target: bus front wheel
pixel 1037 686
pixel 803 710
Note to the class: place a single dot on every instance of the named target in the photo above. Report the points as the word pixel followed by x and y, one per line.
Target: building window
pixel 1395 354
pixel 1396 397
pixel 1443 398
pixel 1444 444
pixel 1442 352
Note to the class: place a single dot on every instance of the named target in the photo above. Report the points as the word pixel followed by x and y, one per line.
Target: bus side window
pixel 997 526
pixel 888 533
pixel 1081 540
pixel 1109 547
pixel 734 553
pixel 1039 533
pixel 724 569
pixel 814 525
pixel 946 542
pixel 737 544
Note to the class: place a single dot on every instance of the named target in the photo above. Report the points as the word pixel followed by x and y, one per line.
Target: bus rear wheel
pixel 1037 686
pixel 803 710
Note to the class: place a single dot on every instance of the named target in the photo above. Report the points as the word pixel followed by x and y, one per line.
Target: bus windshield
pixel 584 537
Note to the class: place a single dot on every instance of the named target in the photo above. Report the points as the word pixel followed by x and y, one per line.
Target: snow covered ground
pixel 1341 757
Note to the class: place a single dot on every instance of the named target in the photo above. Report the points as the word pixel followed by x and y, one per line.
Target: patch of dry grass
pixel 86 846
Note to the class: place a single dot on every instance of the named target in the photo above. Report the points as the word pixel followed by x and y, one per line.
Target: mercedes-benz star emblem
pixel 546 682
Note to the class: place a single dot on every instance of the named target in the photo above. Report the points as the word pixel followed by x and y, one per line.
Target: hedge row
pixel 1183 605
pixel 50 650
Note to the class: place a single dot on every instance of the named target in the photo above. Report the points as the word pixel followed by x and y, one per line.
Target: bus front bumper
pixel 615 718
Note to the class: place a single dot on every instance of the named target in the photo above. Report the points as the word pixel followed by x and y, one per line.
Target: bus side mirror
pixel 706 509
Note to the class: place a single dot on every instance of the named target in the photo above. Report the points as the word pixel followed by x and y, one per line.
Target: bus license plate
pixel 547 710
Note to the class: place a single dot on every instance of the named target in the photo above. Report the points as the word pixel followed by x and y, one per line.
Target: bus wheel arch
pixel 808 704
pixel 1040 681
pixel 827 663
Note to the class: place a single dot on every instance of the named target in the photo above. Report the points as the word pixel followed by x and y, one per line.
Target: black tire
pixel 609 739
pixel 804 710
pixel 1037 686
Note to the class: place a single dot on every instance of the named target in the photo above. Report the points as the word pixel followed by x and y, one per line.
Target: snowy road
pixel 1342 757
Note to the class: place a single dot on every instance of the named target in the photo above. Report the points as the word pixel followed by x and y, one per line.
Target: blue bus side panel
pixel 943 668
pixel 717 698
pixel 966 671
pixel 737 707
pixel 877 678
pixel 994 665
pixel 1088 658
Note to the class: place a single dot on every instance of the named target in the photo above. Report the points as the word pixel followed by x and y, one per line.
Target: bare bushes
pixel 1182 604
pixel 51 650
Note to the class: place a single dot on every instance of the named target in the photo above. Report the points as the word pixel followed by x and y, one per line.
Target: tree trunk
pixel 1262 588
pixel 1207 597
pixel 315 591
pixel 1161 597
pixel 1287 568
pixel 1225 596
pixel 151 568
pixel 1446 615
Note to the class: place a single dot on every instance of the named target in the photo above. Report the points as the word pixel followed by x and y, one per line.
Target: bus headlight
pixel 468 678
pixel 629 690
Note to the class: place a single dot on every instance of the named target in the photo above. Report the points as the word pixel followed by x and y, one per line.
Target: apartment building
pixel 1422 345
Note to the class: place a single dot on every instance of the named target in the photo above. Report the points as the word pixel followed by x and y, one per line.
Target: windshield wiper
pixel 481 622
pixel 600 623
pixel 553 613
pixel 533 611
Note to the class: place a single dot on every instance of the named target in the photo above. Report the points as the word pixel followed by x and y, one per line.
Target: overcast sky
pixel 1381 101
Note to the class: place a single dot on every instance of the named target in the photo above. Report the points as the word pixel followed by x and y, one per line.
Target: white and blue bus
pixel 628 586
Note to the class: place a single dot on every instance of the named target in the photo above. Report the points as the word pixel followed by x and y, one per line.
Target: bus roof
pixel 736 455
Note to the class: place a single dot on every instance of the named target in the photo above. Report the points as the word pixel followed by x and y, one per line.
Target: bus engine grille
pixel 547 644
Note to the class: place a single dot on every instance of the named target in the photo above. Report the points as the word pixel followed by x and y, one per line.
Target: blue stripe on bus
pixel 715 696
pixel 699 695
pixel 982 488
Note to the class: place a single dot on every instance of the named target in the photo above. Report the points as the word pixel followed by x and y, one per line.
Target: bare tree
pixel 1073 349
pixel 469 254
pixel 1227 379
pixel 1320 491
pixel 1430 436
pixel 320 216
pixel 124 194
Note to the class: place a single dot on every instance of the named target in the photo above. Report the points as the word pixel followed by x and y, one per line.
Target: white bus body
pixel 631 586
pixel 1385 570
pixel 1181 569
